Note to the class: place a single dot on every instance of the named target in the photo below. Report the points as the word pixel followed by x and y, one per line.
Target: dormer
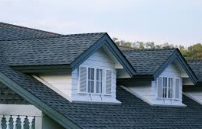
pixel 83 70
pixel 160 78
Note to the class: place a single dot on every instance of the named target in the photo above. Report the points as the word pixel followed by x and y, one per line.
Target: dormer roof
pixel 152 62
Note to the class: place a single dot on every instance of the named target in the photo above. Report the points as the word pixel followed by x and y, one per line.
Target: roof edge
pixel 176 55
pixel 38 103
pixel 104 40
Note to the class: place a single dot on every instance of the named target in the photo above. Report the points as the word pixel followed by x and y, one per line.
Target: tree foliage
pixel 192 52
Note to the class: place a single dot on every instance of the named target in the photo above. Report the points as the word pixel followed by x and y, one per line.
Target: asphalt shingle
pixel 146 62
pixel 196 66
pixel 48 51
pixel 13 32
pixel 131 113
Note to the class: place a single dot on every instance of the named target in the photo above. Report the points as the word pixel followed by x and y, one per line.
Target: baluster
pixel 11 123
pixel 33 123
pixel 14 122
pixel 26 123
pixel 18 123
pixel 3 122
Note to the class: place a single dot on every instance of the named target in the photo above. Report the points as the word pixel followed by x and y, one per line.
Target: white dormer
pixel 165 90
pixel 94 80
pixel 168 87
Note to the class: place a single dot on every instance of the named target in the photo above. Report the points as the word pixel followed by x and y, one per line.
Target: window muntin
pixel 168 87
pixel 98 81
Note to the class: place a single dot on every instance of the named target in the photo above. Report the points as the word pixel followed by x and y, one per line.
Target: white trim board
pixel 23 110
pixel 193 98
pixel 52 87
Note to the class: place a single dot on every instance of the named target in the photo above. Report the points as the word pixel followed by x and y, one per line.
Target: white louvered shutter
pixel 177 88
pixel 160 87
pixel 108 81
pixel 83 79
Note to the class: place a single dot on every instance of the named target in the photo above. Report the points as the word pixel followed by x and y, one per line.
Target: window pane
pixel 164 87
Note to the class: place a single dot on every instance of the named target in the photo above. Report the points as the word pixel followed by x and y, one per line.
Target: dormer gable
pixel 164 85
pixel 91 77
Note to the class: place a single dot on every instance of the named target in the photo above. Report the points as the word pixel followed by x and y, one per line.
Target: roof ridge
pixel 153 49
pixel 51 37
pixel 29 28
pixel 93 33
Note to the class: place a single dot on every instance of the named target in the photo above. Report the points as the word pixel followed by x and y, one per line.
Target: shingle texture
pixel 48 51
pixel 14 32
pixel 132 113
pixel 7 96
pixel 196 66
pixel 146 62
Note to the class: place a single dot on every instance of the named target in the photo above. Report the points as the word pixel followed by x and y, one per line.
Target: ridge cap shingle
pixel 28 28
pixel 161 49
pixel 56 36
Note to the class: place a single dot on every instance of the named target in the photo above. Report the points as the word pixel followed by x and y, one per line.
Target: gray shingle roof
pixel 132 113
pixel 196 66
pixel 14 32
pixel 7 96
pixel 48 51
pixel 146 62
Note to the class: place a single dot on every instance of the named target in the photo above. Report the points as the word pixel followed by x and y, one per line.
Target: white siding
pixel 59 82
pixel 67 83
pixel 147 90
pixel 142 90
pixel 98 59
pixel 195 95
pixel 171 71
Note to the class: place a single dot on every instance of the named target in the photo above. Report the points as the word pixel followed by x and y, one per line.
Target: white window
pixel 168 88
pixel 92 80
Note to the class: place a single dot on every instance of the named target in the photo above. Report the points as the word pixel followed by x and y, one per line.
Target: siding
pixel 59 82
pixel 102 60
pixel 147 90
pixel 195 95
pixel 173 71
pixel 66 84
pixel 142 90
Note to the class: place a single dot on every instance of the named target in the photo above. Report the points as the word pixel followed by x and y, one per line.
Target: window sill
pixel 96 94
pixel 170 105
pixel 164 99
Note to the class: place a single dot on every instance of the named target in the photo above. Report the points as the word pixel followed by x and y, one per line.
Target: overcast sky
pixel 172 21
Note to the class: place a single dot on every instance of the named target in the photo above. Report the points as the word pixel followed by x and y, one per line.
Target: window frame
pixel 103 89
pixel 167 89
